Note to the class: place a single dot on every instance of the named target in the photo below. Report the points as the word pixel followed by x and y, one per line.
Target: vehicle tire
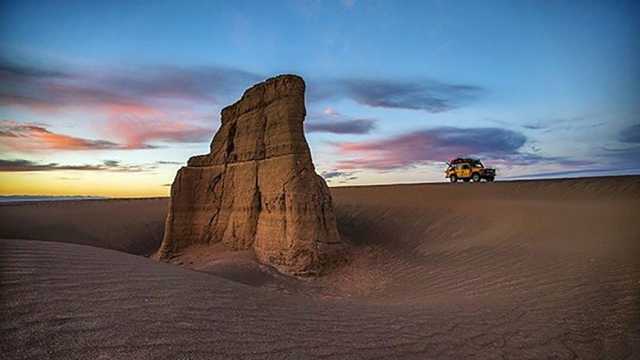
pixel 453 178
pixel 490 179
pixel 475 177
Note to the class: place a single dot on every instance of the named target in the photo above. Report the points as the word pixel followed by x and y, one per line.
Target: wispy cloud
pixel 629 154
pixel 619 158
pixel 22 165
pixel 348 3
pixel 630 134
pixel 131 90
pixel 625 153
pixel 427 95
pixel 601 171
pixel 335 174
pixel 331 121
pixel 354 126
pixel 535 126
pixel 561 124
pixel 340 176
pixel 32 137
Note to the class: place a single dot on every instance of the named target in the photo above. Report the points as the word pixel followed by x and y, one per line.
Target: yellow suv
pixel 468 169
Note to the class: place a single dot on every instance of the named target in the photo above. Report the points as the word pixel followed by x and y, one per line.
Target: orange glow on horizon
pixel 89 183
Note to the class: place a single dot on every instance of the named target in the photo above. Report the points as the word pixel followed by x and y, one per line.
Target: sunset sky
pixel 111 98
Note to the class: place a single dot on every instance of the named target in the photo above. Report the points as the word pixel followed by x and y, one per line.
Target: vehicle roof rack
pixel 464 160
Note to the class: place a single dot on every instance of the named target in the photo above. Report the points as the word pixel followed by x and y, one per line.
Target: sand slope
pixel 130 225
pixel 536 269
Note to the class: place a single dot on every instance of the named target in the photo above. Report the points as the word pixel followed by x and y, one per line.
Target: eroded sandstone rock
pixel 257 188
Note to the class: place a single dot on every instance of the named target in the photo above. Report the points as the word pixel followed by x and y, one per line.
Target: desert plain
pixel 507 270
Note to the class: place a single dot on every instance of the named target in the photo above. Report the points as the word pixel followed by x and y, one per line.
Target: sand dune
pixel 526 269
pixel 131 225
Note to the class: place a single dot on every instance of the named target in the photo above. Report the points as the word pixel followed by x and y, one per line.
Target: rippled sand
pixel 528 269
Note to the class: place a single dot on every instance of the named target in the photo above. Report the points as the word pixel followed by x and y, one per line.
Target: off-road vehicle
pixel 468 169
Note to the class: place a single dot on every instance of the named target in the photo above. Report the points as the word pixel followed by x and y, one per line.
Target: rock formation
pixel 257 188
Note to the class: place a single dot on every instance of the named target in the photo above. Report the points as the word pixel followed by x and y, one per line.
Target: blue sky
pixel 132 89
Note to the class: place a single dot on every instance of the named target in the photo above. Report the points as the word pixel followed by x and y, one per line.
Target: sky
pixel 111 98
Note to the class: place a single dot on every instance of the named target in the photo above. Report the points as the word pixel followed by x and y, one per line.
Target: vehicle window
pixel 465 167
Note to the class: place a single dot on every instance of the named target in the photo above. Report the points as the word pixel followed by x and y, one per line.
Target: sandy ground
pixel 517 270
pixel 131 225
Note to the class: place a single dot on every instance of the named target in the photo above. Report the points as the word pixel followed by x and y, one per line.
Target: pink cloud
pixel 140 110
pixel 138 107
pixel 138 132
pixel 30 137
pixel 132 132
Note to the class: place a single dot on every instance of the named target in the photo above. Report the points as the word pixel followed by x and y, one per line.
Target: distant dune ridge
pixel 257 188
pixel 507 270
